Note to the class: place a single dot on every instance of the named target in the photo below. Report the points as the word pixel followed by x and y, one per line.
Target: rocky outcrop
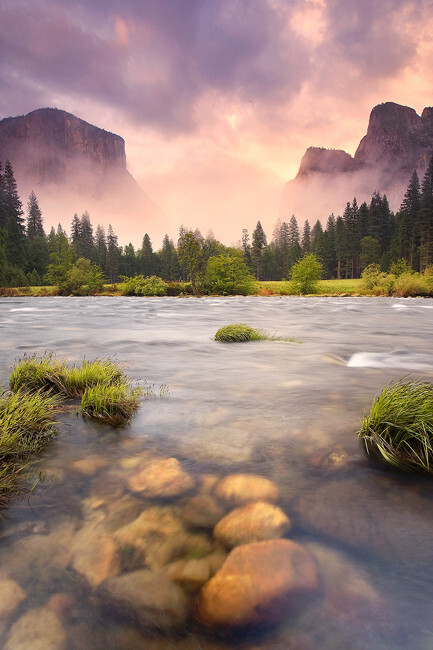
pixel 327 161
pixel 398 140
pixel 46 143
pixel 75 166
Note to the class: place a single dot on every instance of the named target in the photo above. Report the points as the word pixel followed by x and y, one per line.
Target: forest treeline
pixel 362 235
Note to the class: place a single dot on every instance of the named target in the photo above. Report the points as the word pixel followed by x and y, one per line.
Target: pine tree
pixel 258 248
pixel 76 236
pixel 87 242
pixel 168 260
pixel 13 207
pixel 34 218
pixel 146 257
pixel 306 238
pixel 100 247
pixel 407 235
pixel 3 217
pixel 425 218
pixel 340 246
pixel 112 255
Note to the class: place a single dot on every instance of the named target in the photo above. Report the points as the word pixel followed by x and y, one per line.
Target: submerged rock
pixel 350 597
pixel 38 629
pixel 252 523
pixel 146 598
pixel 202 511
pixel 239 489
pixel 161 478
pixel 156 537
pixel 11 596
pixel 195 571
pixel 381 517
pixel 94 554
pixel 258 583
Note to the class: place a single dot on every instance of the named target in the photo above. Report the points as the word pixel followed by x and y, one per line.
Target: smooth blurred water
pixel 277 409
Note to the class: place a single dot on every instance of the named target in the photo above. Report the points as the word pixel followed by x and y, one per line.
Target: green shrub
pixel 376 282
pixel 228 275
pixel 399 267
pixel 112 404
pixel 305 275
pixel 179 289
pixel 412 284
pixel 399 428
pixel 141 286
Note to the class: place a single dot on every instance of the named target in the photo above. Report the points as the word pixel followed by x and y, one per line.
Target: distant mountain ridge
pixel 398 140
pixel 73 166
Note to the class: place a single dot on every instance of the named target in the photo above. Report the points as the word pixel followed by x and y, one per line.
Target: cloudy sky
pixel 217 99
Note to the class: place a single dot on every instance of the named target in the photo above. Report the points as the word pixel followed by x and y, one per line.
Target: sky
pixel 217 100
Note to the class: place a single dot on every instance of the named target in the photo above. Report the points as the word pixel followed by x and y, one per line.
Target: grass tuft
pixel 26 424
pixel 49 374
pixel 239 332
pixel 113 404
pixel 33 373
pixel 400 426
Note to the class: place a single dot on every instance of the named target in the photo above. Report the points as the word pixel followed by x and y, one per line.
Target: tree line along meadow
pixel 367 241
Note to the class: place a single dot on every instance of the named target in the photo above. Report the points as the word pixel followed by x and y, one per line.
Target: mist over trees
pixel 362 235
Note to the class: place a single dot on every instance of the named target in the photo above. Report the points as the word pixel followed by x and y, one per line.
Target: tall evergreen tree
pixel 425 218
pixel 258 248
pixel 146 257
pixel 87 241
pixel 13 208
pixel 112 255
pixel 100 247
pixel 34 217
pixel 306 238
pixel 76 236
pixel 407 234
pixel 168 260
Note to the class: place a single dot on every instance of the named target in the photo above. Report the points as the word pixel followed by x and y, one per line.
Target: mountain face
pixel 74 166
pixel 398 141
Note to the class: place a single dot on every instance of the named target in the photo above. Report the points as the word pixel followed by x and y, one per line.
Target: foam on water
pixel 398 358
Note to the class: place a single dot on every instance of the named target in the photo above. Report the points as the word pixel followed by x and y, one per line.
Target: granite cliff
pixel 398 140
pixel 74 166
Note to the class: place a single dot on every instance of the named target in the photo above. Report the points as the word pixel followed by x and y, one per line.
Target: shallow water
pixel 286 411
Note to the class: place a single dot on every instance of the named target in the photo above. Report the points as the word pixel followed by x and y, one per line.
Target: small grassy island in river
pixel 399 428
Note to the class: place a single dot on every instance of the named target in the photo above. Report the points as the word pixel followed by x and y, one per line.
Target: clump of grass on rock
pixel 239 333
pixel 399 428
pixel 114 404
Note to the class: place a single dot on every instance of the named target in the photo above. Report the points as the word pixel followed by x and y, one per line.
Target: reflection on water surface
pixel 117 544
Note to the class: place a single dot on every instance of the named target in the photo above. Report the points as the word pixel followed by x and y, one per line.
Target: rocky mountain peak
pixel 397 138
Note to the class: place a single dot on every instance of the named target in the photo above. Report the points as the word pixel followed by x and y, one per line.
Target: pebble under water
pixel 238 509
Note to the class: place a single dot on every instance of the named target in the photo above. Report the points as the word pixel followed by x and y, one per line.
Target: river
pixel 286 411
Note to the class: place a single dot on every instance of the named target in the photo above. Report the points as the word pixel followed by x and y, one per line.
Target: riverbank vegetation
pixel 38 388
pixel 399 428
pixel 27 422
pixel 84 261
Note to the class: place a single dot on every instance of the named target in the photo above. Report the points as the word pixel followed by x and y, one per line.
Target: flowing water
pixel 287 411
